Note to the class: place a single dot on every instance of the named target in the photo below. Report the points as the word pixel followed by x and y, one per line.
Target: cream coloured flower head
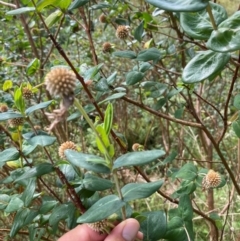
pixel 211 180
pixel 66 146
pixel 122 32
pixel 60 81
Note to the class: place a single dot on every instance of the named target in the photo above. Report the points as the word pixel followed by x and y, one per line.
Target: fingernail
pixel 129 232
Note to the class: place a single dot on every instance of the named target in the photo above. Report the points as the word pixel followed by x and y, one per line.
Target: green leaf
pixel 204 65
pixel 133 191
pixel 87 161
pixel 28 193
pixel 94 183
pixel 112 97
pixel 185 208
pixel 198 24
pixel 125 54
pixel 180 5
pixel 62 4
pixel 154 89
pixel 19 220
pixel 236 101
pixel 154 226
pixel 9 115
pixel 134 77
pixel 20 11
pixel 100 210
pixel 137 158
pixel 48 203
pixel 41 140
pixel 7 85
pixel 226 37
pixel 4 200
pixel 53 18
pixel 77 3
pixel 139 32
pixel 187 172
pixel 37 171
pixel 149 54
pixel 62 212
pixel 15 204
pixel 108 118
pixel 18 100
pixel 37 107
pixel 33 67
pixel 236 127
pixel 9 154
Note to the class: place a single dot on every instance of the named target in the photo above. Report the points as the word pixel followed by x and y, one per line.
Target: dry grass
pixel 231 5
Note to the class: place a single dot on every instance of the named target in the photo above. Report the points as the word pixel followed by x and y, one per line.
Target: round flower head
pixel 3 107
pixel 27 93
pixel 66 146
pixel 211 180
pixel 103 18
pixel 122 32
pixel 137 147
pixel 106 47
pixel 100 226
pixel 60 81
pixel 15 122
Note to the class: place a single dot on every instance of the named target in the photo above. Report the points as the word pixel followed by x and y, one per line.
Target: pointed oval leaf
pixel 149 54
pixel 9 154
pixel 204 65
pixel 61 212
pixel 37 107
pixel 15 204
pixel 77 3
pixel 94 183
pixel 236 101
pixel 133 191
pixel 28 193
pixel 19 220
pixel 41 140
pixel 125 54
pixel 226 37
pixel 139 32
pixel 9 115
pixel 20 11
pixel 113 97
pixel 236 128
pixel 137 158
pixel 134 77
pixel 4 200
pixel 33 66
pixel 187 172
pixel 100 210
pixel 198 25
pixel 37 171
pixel 87 161
pixel 180 5
pixel 154 226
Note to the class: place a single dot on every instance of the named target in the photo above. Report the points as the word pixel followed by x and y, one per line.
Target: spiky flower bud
pixel 15 122
pixel 3 107
pixel 27 93
pixel 106 47
pixel 99 227
pixel 103 18
pixel 122 32
pixel 66 146
pixel 211 180
pixel 60 81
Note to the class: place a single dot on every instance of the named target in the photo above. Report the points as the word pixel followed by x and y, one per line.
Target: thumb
pixel 82 232
pixel 125 231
